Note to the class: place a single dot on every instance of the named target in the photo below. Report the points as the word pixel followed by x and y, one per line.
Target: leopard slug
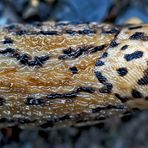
pixel 56 74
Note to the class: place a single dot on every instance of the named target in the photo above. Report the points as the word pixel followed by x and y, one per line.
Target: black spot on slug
pixel 139 36
pixel 136 94
pixel 143 81
pixel 134 55
pixel 114 44
pixel 122 71
pixel 124 47
pixel 68 51
pixel 34 101
pixel 8 41
pixel 74 70
pixel 99 63
pixel 25 59
pixel 105 54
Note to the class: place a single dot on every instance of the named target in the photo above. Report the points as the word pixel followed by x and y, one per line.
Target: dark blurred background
pixel 117 11
pixel 130 131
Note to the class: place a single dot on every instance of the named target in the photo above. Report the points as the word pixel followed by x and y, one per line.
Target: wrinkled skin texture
pixel 60 74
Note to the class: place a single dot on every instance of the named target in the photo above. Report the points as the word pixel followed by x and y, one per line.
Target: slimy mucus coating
pixel 60 74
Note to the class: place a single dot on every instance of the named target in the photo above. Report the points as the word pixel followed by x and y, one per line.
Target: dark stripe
pixel 73 94
pixel 52 32
pixel 56 95
pixel 143 81
pixel 107 88
pixel 7 51
pixel 86 32
pixel 25 59
pixel 108 107
pixel 122 71
pixel 47 33
pixel 71 53
pixel 121 98
pixel 24 32
pixel 86 89
pixel 134 27
pixel 100 77
pixel 74 54
pixel 42 101
pixel 97 48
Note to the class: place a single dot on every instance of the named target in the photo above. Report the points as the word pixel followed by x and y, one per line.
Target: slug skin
pixel 60 74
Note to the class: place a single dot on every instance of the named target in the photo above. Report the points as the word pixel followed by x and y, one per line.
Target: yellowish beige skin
pixel 32 91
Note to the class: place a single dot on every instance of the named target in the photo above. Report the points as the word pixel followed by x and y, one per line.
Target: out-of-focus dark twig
pixel 115 10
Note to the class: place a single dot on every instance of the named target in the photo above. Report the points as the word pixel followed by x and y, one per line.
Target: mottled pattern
pixel 60 74
pixel 126 66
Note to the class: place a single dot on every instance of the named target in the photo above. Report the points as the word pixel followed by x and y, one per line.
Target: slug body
pixel 59 74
